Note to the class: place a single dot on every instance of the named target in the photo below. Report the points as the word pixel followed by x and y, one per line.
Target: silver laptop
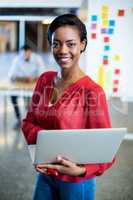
pixel 80 146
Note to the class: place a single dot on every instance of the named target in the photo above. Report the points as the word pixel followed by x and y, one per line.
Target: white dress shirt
pixel 22 68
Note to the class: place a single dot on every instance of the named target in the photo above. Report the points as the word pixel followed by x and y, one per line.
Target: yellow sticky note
pixel 105 23
pixel 117 57
pixel 101 76
pixel 104 16
pixel 132 10
pixel 105 9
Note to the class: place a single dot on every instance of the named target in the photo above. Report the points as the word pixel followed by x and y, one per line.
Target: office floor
pixel 17 174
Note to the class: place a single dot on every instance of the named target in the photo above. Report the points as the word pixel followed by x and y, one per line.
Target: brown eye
pixel 55 45
pixel 71 45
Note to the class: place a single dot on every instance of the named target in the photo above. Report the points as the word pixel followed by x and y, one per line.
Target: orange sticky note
pixel 105 62
pixel 104 16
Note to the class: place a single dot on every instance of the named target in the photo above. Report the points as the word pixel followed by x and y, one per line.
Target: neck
pixel 71 74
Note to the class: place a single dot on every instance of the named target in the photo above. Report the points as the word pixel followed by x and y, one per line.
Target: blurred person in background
pixel 26 67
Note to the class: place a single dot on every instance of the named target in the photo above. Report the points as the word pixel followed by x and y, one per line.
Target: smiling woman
pixel 72 101
pixel 66 46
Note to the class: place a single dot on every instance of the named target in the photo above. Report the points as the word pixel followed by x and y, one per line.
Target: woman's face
pixel 67 46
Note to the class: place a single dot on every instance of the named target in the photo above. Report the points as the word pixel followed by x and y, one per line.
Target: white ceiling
pixel 40 3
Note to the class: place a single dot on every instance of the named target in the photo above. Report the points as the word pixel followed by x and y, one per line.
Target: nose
pixel 63 49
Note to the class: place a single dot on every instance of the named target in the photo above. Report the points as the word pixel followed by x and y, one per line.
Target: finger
pixel 47 171
pixel 40 165
pixel 42 170
pixel 51 166
pixel 64 162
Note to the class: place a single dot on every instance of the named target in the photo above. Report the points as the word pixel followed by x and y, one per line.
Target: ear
pixel 83 46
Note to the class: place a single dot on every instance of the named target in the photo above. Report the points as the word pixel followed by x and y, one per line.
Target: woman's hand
pixel 62 166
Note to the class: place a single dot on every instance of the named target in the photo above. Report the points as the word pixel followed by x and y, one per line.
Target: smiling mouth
pixel 64 59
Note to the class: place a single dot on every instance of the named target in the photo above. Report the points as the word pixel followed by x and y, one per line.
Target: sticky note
pixel 105 57
pixel 105 9
pixel 105 62
pixel 121 12
pixel 94 17
pixel 116 82
pixel 106 39
pixel 115 89
pixel 103 30
pixel 105 23
pixel 117 71
pixel 93 35
pixel 104 16
pixel 93 26
pixel 111 22
pixel 106 48
pixel 101 76
pixel 117 57
pixel 110 31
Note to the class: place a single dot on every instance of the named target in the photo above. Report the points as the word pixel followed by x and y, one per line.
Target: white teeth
pixel 64 59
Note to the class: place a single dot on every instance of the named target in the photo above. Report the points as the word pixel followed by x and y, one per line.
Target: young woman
pixel 69 101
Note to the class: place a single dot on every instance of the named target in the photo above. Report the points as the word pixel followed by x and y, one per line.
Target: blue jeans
pixel 50 188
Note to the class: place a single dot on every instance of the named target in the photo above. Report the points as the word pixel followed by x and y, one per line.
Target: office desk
pixel 20 89
pixel 23 88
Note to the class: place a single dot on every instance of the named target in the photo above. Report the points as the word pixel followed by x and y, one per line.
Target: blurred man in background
pixel 26 67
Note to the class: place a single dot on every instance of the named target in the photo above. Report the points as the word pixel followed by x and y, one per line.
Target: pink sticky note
pixel 116 82
pixel 93 26
pixel 115 89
